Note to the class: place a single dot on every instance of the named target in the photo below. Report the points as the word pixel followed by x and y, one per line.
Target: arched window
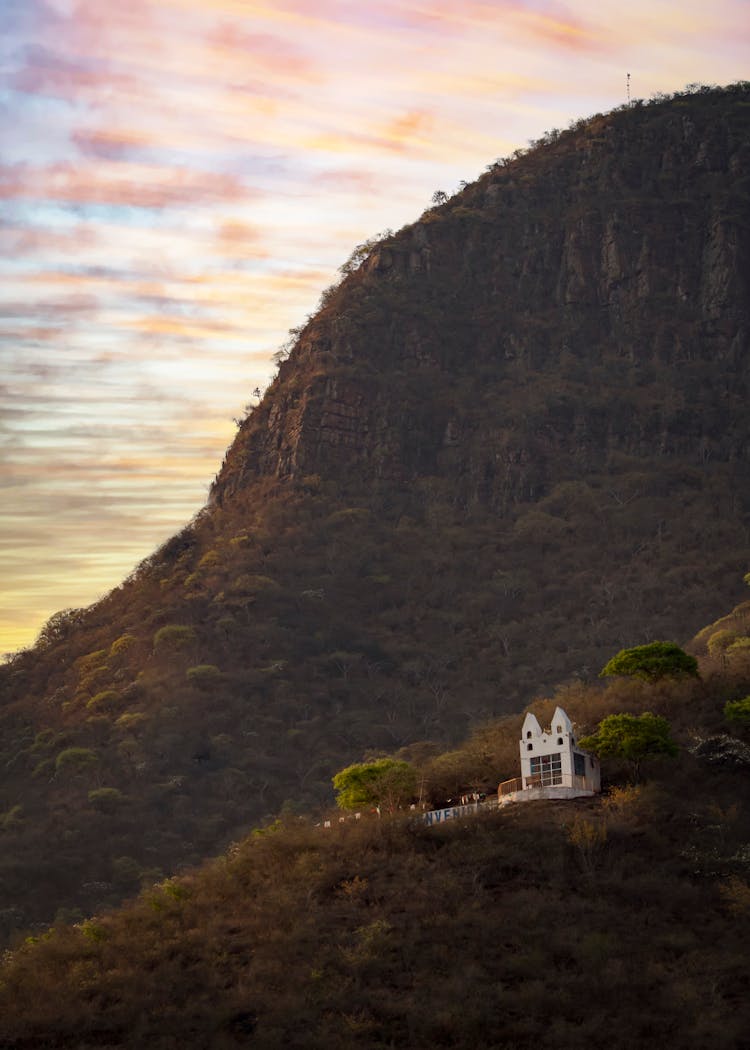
pixel 559 729
pixel 528 735
pixel 559 740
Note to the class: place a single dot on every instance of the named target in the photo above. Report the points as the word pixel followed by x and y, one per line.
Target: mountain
pixel 511 441
pixel 607 920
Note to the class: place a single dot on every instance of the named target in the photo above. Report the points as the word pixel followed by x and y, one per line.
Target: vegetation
pixel 738 712
pixel 385 783
pixel 632 737
pixel 608 920
pixel 652 661
pixel 498 454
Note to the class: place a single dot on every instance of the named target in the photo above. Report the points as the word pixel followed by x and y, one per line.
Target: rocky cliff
pixel 586 300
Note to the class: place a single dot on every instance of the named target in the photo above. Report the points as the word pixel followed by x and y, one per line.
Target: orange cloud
pixel 277 56
pixel 569 33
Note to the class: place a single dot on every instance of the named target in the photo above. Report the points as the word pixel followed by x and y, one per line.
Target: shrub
pixel 105 700
pixel 75 759
pixel 91 662
pixel 173 638
pixel 105 799
pixel 122 644
pixel 209 560
pixel 203 674
pixel 130 720
pixel 738 712
pixel 720 641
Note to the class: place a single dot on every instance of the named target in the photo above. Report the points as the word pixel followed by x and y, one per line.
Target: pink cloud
pixel 352 181
pixel 278 56
pixel 135 185
pixel 47 73
pixel 111 143
pixel 552 22
pixel 18 240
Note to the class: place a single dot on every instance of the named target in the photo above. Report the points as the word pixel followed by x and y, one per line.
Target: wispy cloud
pixel 179 179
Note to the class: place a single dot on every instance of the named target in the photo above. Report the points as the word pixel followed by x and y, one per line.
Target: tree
pixel 738 712
pixel 385 783
pixel 652 661
pixel 631 737
pixel 75 760
pixel 173 637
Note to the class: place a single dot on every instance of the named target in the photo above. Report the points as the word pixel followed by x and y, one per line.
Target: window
pixel 579 764
pixel 559 729
pixel 548 768
pixel 559 740
pixel 529 747
pixel 528 735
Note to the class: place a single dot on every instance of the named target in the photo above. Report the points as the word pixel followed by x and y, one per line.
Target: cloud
pixel 111 143
pixel 20 239
pixel 231 43
pixel 120 184
pixel 181 178
pixel 45 72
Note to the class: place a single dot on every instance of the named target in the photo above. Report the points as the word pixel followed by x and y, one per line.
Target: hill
pixel 513 440
pixel 610 920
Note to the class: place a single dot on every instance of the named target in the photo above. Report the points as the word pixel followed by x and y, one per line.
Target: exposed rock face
pixel 595 291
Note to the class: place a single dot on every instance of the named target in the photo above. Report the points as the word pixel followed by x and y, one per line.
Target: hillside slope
pixel 513 440
pixel 608 920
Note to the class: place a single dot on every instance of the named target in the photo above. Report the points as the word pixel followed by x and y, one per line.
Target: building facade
pixel 552 765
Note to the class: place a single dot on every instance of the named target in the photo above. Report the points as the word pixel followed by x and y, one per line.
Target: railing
pixel 510 787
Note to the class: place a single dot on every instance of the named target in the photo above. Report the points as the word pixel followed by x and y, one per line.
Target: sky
pixel 179 181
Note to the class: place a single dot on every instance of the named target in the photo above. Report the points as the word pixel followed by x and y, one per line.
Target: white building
pixel 552 766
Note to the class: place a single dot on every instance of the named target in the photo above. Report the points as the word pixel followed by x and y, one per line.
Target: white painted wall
pixel 558 739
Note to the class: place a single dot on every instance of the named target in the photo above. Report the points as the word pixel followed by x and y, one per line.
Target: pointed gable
pixel 531 731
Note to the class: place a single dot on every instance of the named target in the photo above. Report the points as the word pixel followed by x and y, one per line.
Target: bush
pixel 203 674
pixel 104 701
pixel 105 799
pixel 738 712
pixel 75 760
pixel 122 644
pixel 173 638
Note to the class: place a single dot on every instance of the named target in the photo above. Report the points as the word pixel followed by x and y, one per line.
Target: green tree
pixel 631 737
pixel 106 799
pixel 385 783
pixel 652 661
pixel 738 712
pixel 203 674
pixel 173 638
pixel 75 760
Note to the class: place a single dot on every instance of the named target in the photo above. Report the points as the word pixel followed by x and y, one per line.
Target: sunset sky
pixel 180 179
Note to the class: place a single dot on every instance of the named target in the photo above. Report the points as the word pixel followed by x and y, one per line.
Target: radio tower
pixel 628 88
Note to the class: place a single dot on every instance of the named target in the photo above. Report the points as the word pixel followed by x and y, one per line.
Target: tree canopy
pixel 385 782
pixel 738 712
pixel 631 737
pixel 652 661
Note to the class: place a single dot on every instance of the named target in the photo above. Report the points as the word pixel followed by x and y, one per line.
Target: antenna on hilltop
pixel 628 88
